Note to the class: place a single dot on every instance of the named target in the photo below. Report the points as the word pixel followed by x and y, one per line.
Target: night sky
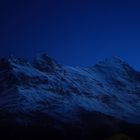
pixel 74 32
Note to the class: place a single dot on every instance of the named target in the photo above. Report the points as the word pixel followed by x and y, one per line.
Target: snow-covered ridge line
pixel 111 87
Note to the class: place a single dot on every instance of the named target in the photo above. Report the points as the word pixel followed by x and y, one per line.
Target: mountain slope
pixel 105 94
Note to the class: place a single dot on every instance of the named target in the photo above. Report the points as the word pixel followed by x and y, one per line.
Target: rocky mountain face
pixel 44 98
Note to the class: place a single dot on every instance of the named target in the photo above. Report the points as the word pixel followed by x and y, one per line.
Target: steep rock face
pixel 105 94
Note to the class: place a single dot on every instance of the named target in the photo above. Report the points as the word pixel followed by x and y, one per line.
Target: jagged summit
pixel 46 64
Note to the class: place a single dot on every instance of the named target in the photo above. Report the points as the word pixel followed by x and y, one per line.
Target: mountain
pixel 44 98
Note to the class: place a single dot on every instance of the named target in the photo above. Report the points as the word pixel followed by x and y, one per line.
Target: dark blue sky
pixel 75 32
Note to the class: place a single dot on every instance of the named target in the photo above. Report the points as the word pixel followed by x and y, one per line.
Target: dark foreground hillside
pixel 95 126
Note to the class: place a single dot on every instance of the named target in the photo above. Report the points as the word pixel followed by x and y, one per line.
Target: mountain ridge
pixel 66 94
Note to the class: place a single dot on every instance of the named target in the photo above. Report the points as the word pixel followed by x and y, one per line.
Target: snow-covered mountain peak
pixel 112 62
pixel 114 65
pixel 45 64
pixel 114 59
